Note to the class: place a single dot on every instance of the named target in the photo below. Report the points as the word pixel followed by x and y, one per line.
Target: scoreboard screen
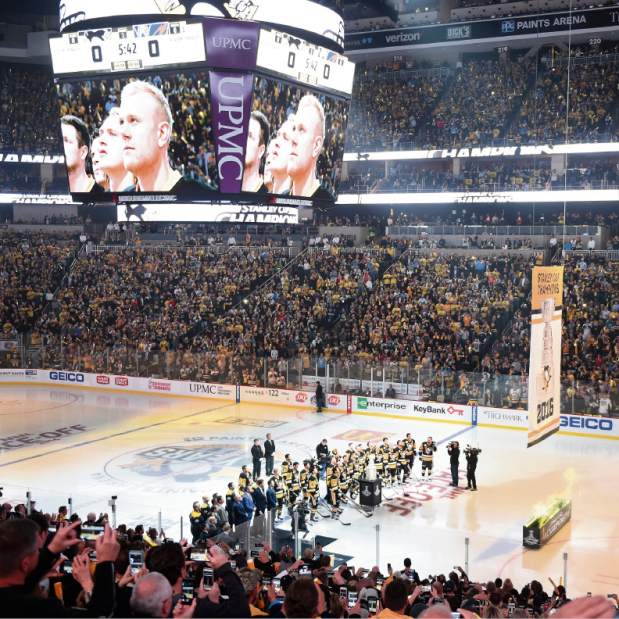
pixel 200 111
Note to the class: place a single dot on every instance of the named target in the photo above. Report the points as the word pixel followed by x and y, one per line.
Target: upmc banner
pixel 526 26
pixel 545 359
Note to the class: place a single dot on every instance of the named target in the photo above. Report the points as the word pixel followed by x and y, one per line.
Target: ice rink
pixel 162 453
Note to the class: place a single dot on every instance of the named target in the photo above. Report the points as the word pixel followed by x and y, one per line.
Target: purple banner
pixel 231 95
pixel 231 44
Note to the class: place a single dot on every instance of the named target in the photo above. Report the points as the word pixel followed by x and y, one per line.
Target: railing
pixel 410 379
pixel 606 254
pixel 480 230
pixel 487 141
pixel 423 186
pixel 213 249
pixel 386 75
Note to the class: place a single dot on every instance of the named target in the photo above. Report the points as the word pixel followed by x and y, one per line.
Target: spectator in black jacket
pixel 211 604
pixel 23 563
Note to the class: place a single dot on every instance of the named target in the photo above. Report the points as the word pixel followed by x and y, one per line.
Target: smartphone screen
pixel 136 560
pixel 67 567
pixel 372 604
pixel 198 555
pixel 352 598
pixel 188 591
pixel 207 578
pixel 343 592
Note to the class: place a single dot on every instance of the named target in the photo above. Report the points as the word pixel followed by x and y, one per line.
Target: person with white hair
pixel 146 127
pixel 308 137
pixel 152 596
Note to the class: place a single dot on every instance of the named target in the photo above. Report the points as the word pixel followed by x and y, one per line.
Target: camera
pixel 472 450
pixel 452 445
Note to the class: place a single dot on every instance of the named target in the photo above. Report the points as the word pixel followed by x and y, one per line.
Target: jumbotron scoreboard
pixel 245 98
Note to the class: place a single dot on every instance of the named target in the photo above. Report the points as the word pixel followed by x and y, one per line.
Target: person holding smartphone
pixel 212 603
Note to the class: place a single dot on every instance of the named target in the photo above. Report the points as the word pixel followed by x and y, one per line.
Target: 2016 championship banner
pixel 545 358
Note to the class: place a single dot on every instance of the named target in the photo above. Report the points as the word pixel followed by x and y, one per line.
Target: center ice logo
pixel 179 463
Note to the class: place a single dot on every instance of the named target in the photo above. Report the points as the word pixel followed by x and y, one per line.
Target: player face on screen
pixel 307 141
pixel 111 147
pixel 256 146
pixel 279 155
pixel 97 153
pixel 146 129
pixel 76 142
pixel 75 153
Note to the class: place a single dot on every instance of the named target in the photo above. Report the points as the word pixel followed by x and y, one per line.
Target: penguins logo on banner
pixel 545 356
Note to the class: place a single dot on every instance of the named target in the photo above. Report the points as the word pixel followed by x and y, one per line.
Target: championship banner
pixel 545 359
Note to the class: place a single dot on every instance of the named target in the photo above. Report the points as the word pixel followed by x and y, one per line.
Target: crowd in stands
pixel 147 301
pixel 30 267
pixel 484 101
pixel 28 110
pixel 54 573
pixel 477 103
pixel 389 104
pixel 592 100
pixel 227 313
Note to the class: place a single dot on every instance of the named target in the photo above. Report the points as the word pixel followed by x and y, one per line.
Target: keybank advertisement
pixel 528 25
pixel 450 413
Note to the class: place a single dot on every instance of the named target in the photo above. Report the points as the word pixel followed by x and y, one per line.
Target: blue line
pixel 458 433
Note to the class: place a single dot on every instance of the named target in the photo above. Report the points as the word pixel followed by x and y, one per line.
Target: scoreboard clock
pixel 159 45
pixel 131 48
pixel 289 56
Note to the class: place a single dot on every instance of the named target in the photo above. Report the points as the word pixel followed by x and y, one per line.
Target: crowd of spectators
pixel 30 267
pixel 389 104
pixel 47 573
pixel 485 101
pixel 478 103
pixel 240 314
pixel 542 115
pixel 28 110
pixel 436 312
pixel 143 301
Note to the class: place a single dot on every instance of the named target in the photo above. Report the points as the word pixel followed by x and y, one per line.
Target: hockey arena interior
pixel 309 308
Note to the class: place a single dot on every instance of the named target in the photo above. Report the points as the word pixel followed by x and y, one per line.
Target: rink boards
pixel 457 414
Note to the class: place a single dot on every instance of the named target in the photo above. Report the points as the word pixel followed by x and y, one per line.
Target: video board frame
pixel 258 54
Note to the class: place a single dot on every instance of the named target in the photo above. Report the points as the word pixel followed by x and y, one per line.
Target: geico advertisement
pixel 583 424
